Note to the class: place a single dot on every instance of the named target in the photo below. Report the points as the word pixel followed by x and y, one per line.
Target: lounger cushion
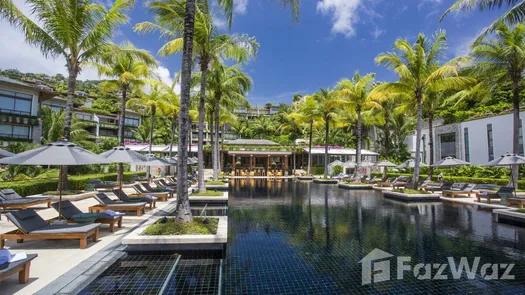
pixel 27 220
pixel 104 216
pixel 9 194
pixel 8 267
pixel 66 228
pixel 119 204
pixel 104 199
pixel 68 209
pixel 22 201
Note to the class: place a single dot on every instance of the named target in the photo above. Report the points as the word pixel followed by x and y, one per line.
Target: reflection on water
pixel 304 238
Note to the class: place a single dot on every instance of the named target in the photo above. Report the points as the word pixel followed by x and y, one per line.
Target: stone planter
pixel 509 216
pixel 411 197
pixel 305 178
pixel 326 181
pixel 355 186
pixel 137 241
pixel 216 187
pixel 215 200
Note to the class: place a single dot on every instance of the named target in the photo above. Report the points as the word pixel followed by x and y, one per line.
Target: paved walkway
pixel 57 257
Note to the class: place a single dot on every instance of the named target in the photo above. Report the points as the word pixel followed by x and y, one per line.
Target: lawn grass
pixel 215 183
pixel 171 227
pixel 64 193
pixel 411 191
pixel 209 193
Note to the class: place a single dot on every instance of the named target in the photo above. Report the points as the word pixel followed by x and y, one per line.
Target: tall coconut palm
pixel 417 67
pixel 500 60
pixel 308 114
pixel 515 14
pixel 127 68
pixel 170 107
pixel 356 92
pixel 328 109
pixel 78 31
pixel 152 102
pixel 227 86
pixel 208 47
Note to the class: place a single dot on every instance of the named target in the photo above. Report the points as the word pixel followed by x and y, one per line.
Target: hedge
pixel 318 169
pixel 76 182
pixel 497 181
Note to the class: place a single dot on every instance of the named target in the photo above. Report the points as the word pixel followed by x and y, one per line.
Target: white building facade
pixel 476 141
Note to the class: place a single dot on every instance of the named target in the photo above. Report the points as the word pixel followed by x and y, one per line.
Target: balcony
pixel 18 119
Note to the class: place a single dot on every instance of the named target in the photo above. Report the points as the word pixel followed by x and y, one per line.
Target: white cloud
pixel 377 33
pixel 462 47
pixel 240 6
pixel 344 15
pixel 220 23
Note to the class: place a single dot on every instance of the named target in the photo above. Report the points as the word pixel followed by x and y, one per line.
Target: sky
pixel 331 40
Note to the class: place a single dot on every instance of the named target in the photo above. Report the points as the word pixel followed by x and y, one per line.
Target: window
pixel 15 102
pixel 84 117
pixel 448 145
pixel 520 148
pixel 129 134
pixel 107 120
pixel 490 142
pixel 467 148
pixel 107 132
pixel 132 121
pixel 14 131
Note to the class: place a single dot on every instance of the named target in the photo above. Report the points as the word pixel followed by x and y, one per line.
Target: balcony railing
pixel 18 119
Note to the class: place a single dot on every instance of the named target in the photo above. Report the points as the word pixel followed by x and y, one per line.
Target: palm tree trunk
pixel 190 136
pixel 121 123
pixel 358 144
pixel 415 176
pixel 183 210
pixel 516 129
pixel 310 147
pixel 387 140
pixel 71 87
pixel 430 145
pixel 151 127
pixel 216 139
pixel 326 130
pixel 200 149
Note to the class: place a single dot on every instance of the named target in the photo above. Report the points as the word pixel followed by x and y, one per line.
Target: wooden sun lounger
pixel 162 196
pixel 452 194
pixel 516 201
pixel 101 208
pixel 21 267
pixel 19 236
pixel 22 206
pixel 69 210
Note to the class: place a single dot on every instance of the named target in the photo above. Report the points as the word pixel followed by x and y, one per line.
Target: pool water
pixel 305 238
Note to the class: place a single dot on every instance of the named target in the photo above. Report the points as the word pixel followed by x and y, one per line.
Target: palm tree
pixel 356 92
pixel 308 114
pixel 328 109
pixel 227 86
pixel 152 102
pixel 170 107
pixel 208 47
pixel 515 15
pixel 500 60
pixel 79 31
pixel 418 71
pixel 127 68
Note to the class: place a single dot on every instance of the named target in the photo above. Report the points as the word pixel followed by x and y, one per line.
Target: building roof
pixel 259 153
pixel 251 142
pixel 45 91
pixel 340 151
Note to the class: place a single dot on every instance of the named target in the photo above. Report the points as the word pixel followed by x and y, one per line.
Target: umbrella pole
pixel 60 192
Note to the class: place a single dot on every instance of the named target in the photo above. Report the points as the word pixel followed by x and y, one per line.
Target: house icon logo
pixel 375 267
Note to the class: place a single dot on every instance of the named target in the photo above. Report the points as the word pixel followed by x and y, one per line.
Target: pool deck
pixel 473 201
pixel 60 259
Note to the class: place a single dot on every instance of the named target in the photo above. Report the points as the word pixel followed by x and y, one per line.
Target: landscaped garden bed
pixel 156 236
pixel 510 216
pixel 168 226
pixel 209 197
pixel 410 195
pixel 355 185
pixel 326 181
pixel 216 185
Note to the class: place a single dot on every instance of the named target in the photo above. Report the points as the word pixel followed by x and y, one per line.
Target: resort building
pixel 477 141
pixel 20 110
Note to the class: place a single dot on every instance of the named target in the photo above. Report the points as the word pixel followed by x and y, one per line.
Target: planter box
pixel 137 241
pixel 305 178
pixel 411 198
pixel 323 181
pixel 355 186
pixel 196 200
pixel 509 216
pixel 216 187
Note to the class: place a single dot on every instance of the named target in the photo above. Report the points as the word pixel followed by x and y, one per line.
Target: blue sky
pixel 332 40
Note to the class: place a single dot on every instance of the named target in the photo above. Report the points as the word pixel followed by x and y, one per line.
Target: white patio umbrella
pixel 385 164
pixel 349 164
pixel 61 153
pixel 411 164
pixel 508 160
pixel 4 153
pixel 450 162
pixel 151 160
pixel 123 155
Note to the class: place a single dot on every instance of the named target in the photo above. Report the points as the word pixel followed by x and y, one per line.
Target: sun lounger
pixel 401 182
pixel 386 183
pixel 32 227
pixel 142 192
pixel 121 195
pixel 502 191
pixel 466 189
pixel 107 204
pixel 10 199
pixel 438 188
pixel 515 201
pixel 22 267
pixel 102 185
pixel 70 212
pixel 163 183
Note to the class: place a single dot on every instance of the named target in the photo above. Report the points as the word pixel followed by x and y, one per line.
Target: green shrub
pixel 336 170
pixel 318 169
pixel 172 227
pixel 38 186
